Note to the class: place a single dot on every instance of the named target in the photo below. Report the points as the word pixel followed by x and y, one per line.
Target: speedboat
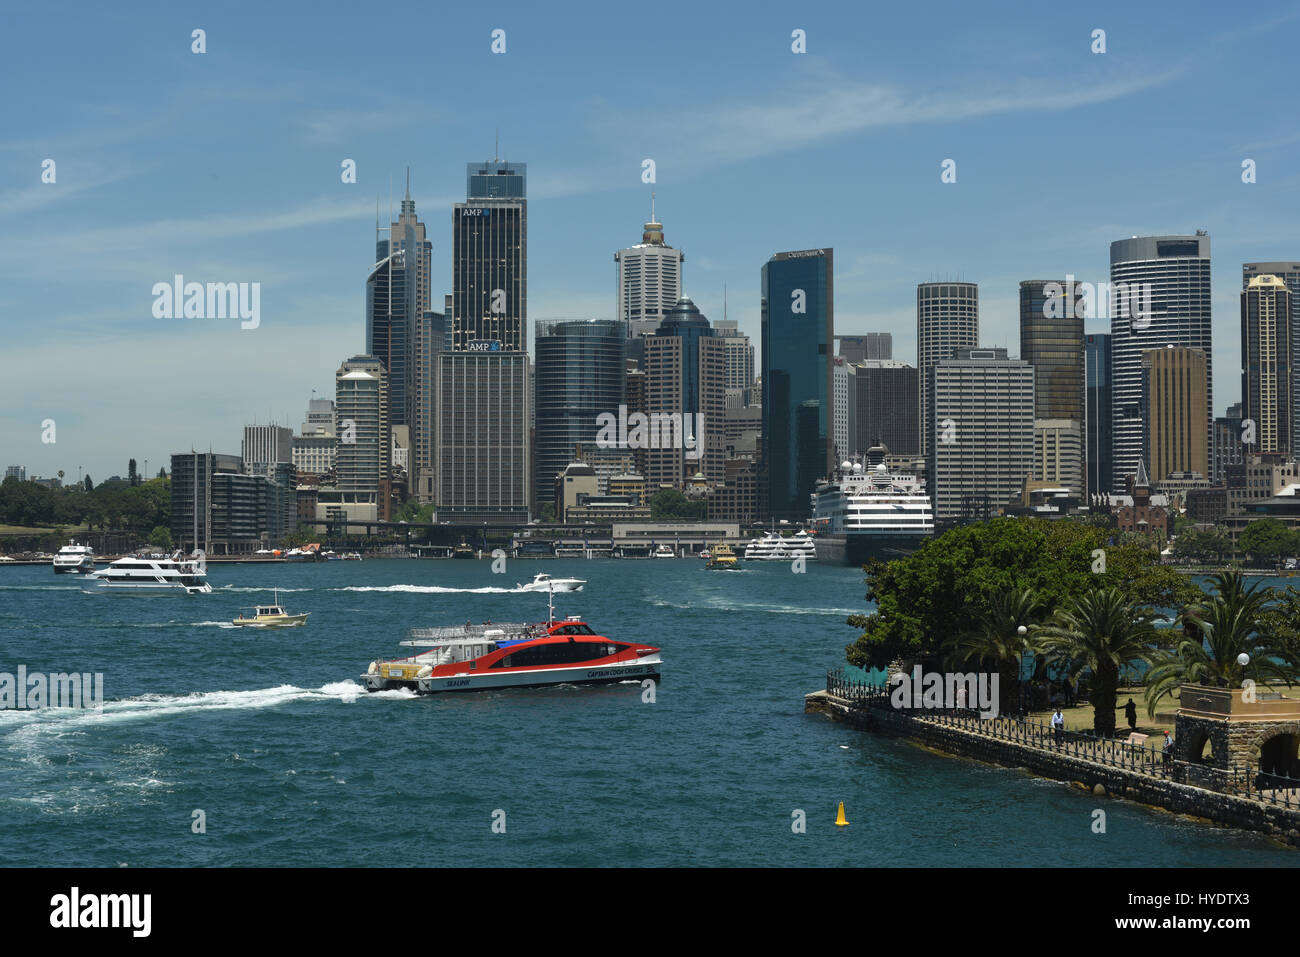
pixel 664 551
pixel 144 575
pixel 705 554
pixel 74 558
pixel 271 616
pixel 480 657
pixel 544 582
pixel 463 550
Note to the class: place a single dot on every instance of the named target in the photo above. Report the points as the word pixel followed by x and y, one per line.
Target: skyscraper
pixel 983 451
pixel 1176 436
pixel 483 408
pixel 947 319
pixel 1268 363
pixel 1171 276
pixel 649 279
pixel 739 353
pixel 1097 412
pixel 685 365
pixel 361 408
pixel 798 341
pixel 885 399
pixel 1051 340
pixel 265 447
pixel 581 373
pixel 872 345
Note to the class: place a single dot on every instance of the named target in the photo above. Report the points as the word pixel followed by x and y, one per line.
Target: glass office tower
pixel 798 335
pixel 580 375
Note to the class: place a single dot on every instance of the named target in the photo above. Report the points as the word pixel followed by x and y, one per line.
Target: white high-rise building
pixel 265 447
pixel 649 279
pixel 947 319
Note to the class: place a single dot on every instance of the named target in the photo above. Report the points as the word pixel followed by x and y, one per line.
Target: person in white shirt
pixel 1058 726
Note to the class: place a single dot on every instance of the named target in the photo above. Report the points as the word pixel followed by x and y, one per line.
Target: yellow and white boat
pixel 723 557
pixel 271 616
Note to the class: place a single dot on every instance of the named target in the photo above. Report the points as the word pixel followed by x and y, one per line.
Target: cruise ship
pixel 142 575
pixel 866 511
pixel 74 558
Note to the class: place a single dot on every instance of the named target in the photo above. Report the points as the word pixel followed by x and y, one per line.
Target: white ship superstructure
pixel 867 512
pixel 775 547
pixel 137 574
pixel 74 558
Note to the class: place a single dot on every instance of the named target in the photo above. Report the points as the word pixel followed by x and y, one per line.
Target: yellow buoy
pixel 840 820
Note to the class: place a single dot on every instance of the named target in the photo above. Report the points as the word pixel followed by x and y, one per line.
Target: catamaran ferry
pixel 74 558
pixel 865 512
pixel 144 575
pixel 775 547
pixel 480 657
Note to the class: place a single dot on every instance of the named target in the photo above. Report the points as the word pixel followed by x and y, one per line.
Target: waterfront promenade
pixel 1238 796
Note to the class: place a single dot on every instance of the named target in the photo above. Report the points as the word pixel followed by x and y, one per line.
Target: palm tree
pixel 998 640
pixel 1214 633
pixel 1100 631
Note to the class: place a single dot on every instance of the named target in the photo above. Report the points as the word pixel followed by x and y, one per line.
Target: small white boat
pixel 271 616
pixel 664 551
pixel 74 558
pixel 544 582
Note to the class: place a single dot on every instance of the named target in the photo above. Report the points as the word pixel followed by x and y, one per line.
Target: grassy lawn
pixel 1079 718
pixel 27 530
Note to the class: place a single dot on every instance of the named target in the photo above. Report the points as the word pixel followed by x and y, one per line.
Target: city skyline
pixel 145 205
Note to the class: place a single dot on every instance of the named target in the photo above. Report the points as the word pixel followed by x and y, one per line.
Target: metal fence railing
pixel 1270 787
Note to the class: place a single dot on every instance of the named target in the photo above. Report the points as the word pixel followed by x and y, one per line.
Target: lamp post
pixel 1020 666
pixel 1243 659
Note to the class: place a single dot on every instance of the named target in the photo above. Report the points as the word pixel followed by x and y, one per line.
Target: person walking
pixel 1131 712
pixel 1167 752
pixel 1058 726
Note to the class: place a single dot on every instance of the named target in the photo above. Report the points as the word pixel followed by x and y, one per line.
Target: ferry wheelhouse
pixel 481 657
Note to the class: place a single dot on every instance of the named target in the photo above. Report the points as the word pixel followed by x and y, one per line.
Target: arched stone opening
pixel 1280 755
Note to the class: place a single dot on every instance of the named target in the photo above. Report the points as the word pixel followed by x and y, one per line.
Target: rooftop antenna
pixel 724 302
pixel 496 147
pixel 652 207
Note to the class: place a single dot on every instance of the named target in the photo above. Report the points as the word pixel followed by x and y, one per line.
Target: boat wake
pixel 430 589
pixel 16 723
pixel 242 588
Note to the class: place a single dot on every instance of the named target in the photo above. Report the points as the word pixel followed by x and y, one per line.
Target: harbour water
pixel 270 736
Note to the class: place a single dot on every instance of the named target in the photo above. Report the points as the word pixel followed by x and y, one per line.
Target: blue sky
pixel 225 167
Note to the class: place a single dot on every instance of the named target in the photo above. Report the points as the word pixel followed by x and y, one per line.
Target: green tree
pixel 1265 540
pixel 1214 631
pixel 998 641
pixel 161 535
pixel 132 475
pixel 90 486
pixel 668 503
pixel 1099 630
pixel 546 514
pixel 937 591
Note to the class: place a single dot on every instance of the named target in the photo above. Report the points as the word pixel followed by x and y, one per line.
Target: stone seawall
pixel 1278 821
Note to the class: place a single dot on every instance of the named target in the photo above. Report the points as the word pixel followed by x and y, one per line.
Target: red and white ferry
pixel 480 657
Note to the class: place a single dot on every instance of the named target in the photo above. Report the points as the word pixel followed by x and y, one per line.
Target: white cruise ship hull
pixel 118 586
